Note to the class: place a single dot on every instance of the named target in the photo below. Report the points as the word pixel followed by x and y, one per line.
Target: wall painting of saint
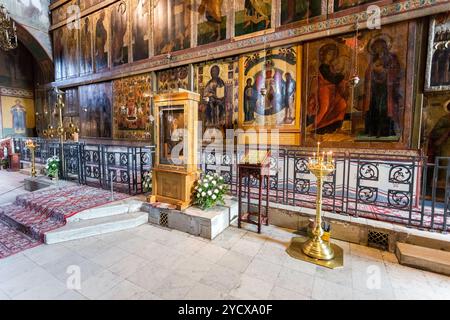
pixel 253 16
pixel 438 61
pixel 212 17
pixel 58 53
pixel 217 83
pixel 70 49
pixel 378 109
pixel 173 79
pixel 171 25
pixel 101 40
pixel 298 10
pixel 18 116
pixel 95 110
pixel 140 29
pixel 132 99
pixel 86 63
pixel 120 33
pixel 269 93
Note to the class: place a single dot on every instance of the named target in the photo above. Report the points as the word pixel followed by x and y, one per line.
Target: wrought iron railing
pixel 402 189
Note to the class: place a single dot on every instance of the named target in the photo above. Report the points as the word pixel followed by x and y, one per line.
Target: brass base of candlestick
pixel 318 249
pixel 295 250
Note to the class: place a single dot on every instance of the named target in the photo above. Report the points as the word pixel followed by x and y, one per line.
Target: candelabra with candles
pixel 31 145
pixel 315 247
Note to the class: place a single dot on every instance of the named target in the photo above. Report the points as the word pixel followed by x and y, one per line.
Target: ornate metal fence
pixel 402 189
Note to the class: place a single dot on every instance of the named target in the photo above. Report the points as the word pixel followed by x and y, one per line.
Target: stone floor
pixel 150 262
pixel 11 185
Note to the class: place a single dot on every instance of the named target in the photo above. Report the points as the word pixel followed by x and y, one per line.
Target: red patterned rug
pixel 24 223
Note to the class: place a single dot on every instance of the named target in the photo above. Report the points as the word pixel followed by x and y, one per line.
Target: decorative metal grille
pixel 164 219
pixel 377 239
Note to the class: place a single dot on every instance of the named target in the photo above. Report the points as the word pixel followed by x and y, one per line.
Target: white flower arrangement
pixel 209 191
pixel 52 166
pixel 147 181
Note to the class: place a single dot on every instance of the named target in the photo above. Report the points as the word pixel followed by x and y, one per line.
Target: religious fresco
pixel 217 82
pixel 86 4
pixel 346 4
pixel 297 10
pixel 95 110
pixel 86 62
pixel 58 54
pixel 101 24
pixel 212 18
pixel 120 33
pixel 30 12
pixel 438 63
pixel 173 79
pixel 140 29
pixel 18 116
pixel 62 13
pixel 132 99
pixel 171 25
pixel 15 66
pixel 70 49
pixel 378 109
pixel 436 133
pixel 269 94
pixel 252 16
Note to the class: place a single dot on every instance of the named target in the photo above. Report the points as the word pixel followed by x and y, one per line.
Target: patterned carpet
pixel 24 223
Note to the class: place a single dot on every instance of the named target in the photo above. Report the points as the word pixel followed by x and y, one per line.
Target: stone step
pixel 108 210
pixel 423 258
pixel 91 227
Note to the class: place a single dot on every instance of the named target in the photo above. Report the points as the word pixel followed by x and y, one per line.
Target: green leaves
pixel 209 191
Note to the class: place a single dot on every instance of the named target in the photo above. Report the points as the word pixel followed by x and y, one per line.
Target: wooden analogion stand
pixel 175 171
pixel 254 166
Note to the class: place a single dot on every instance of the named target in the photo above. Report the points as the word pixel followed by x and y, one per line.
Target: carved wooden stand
pixel 262 173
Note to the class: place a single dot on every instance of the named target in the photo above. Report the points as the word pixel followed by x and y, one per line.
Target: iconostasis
pixel 306 91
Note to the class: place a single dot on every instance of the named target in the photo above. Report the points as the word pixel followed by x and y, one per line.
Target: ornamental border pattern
pixel 16 92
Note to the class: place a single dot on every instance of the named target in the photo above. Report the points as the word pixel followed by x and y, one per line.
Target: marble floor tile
pixel 296 281
pixel 175 286
pixel 124 290
pixel 279 293
pixel 149 276
pixel 128 265
pixel 247 247
pixel 210 252
pixel 192 267
pixel 221 278
pixel 98 285
pixel 263 270
pixel 235 261
pixel 110 256
pixel 203 292
pixel 326 290
pixel 252 289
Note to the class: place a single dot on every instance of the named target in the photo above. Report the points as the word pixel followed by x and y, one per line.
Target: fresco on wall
pixel 120 33
pixel 173 79
pixel 86 63
pixel 438 63
pixel 86 4
pixel 132 99
pixel 376 111
pixel 70 48
pixel 252 16
pixel 436 135
pixel 269 89
pixel 18 116
pixel 15 66
pixel 171 25
pixel 212 20
pixel 140 29
pixel 101 40
pixel 58 54
pixel 62 13
pixel 346 4
pixel 95 110
pixel 30 12
pixel 217 83
pixel 297 10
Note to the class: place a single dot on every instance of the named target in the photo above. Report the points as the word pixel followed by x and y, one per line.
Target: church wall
pixel 119 43
pixel 17 82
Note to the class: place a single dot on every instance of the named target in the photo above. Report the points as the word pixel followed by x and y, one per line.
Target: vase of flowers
pixel 209 191
pixel 147 182
pixel 52 167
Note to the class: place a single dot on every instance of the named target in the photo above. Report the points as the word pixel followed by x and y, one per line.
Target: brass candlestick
pixel 32 146
pixel 315 247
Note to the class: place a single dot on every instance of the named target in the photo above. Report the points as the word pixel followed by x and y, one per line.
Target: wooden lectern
pixel 175 171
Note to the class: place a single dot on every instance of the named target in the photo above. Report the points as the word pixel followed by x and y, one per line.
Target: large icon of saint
pixel 18 113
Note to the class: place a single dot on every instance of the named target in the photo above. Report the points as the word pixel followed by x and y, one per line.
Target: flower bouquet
pixel 147 181
pixel 52 167
pixel 209 191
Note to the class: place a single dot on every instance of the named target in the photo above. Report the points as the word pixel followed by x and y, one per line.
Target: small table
pixel 14 162
pixel 259 170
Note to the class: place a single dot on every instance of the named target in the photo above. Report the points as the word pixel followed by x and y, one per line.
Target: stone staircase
pixel 116 216
pixel 423 258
